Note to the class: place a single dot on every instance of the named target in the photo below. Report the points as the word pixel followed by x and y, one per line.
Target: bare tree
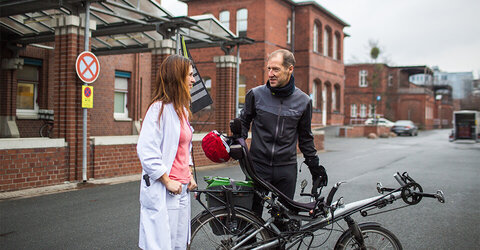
pixel 375 78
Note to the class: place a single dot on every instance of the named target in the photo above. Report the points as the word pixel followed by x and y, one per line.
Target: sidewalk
pixel 67 186
pixel 71 186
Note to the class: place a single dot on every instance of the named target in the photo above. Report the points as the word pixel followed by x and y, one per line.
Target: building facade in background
pixel 379 90
pixel 314 34
pixel 461 83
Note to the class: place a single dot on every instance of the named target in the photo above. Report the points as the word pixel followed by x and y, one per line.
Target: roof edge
pixel 329 13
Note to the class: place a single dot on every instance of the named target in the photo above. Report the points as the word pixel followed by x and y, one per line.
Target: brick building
pixel 314 34
pixel 39 44
pixel 385 91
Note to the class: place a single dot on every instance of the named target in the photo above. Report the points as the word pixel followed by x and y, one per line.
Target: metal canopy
pixel 413 70
pixel 123 26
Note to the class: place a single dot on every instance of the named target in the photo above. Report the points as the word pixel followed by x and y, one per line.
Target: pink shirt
pixel 180 169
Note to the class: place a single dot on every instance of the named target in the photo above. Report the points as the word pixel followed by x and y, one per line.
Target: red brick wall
pixel 115 160
pixel 362 131
pixel 225 95
pixel 34 167
pixel 8 92
pixel 351 132
pixel 40 167
pixel 138 65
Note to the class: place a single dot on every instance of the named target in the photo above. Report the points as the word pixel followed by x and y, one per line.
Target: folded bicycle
pixel 228 222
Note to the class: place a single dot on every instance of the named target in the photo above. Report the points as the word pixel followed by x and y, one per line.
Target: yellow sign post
pixel 87 96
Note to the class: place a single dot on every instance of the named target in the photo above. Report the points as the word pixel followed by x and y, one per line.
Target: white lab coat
pixel 156 148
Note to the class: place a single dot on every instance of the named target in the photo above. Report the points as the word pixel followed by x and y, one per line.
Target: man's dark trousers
pixel 284 178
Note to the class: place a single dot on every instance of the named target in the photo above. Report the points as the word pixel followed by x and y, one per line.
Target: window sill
pixel 122 119
pixel 27 116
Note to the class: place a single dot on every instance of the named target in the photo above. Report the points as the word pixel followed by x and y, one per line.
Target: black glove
pixel 319 175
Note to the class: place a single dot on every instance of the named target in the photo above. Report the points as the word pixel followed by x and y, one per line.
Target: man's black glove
pixel 319 175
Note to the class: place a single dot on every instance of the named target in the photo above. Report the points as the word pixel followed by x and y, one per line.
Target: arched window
pixel 289 31
pixel 315 95
pixel 315 37
pixel 335 44
pixel 224 18
pixel 325 42
pixel 337 47
pixel 336 98
pixel 242 20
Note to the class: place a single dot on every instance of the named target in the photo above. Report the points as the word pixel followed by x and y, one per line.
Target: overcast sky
pixel 441 33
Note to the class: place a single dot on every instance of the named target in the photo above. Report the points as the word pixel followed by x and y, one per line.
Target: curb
pixel 72 186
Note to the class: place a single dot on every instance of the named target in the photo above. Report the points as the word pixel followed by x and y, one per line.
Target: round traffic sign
pixel 87 92
pixel 87 67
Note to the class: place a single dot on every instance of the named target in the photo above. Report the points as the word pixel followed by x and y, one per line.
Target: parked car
pixel 379 122
pixel 405 127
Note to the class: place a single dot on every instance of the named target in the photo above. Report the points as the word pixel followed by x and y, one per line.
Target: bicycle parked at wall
pixel 47 127
pixel 228 222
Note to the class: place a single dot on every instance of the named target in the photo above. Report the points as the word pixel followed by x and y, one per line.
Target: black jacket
pixel 277 122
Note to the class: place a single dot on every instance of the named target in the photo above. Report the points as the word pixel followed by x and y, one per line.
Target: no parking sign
pixel 87 97
pixel 87 67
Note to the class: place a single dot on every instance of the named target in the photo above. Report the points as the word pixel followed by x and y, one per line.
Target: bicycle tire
pixel 376 237
pixel 205 229
pixel 45 130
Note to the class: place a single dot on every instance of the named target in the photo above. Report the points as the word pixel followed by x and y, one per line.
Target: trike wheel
pixel 210 233
pixel 375 236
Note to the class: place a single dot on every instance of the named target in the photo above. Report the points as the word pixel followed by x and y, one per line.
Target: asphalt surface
pixel 104 214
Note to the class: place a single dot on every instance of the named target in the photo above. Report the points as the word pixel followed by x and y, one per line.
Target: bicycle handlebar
pixel 332 192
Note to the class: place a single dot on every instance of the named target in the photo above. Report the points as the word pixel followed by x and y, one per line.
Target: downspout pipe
pixel 293 29
pixel 237 82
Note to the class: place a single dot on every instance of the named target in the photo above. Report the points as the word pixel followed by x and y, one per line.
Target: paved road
pixel 106 217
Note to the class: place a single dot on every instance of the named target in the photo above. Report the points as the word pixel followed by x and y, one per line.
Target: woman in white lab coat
pixel 164 149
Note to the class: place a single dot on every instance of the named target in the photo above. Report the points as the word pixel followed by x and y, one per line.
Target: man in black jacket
pixel 279 114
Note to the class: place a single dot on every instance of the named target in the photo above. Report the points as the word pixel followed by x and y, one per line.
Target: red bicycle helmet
pixel 215 147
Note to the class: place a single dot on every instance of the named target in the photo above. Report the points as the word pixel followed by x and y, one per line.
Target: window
pixel 315 37
pixel 363 110
pixel 335 47
pixel 208 85
pixel 337 53
pixel 362 79
pixel 325 42
pixel 242 85
pixel 27 88
pixel 334 98
pixel 242 18
pixel 390 79
pixel 370 110
pixel 289 31
pixel 225 18
pixel 121 95
pixel 353 110
pixel 313 96
pixel 336 94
